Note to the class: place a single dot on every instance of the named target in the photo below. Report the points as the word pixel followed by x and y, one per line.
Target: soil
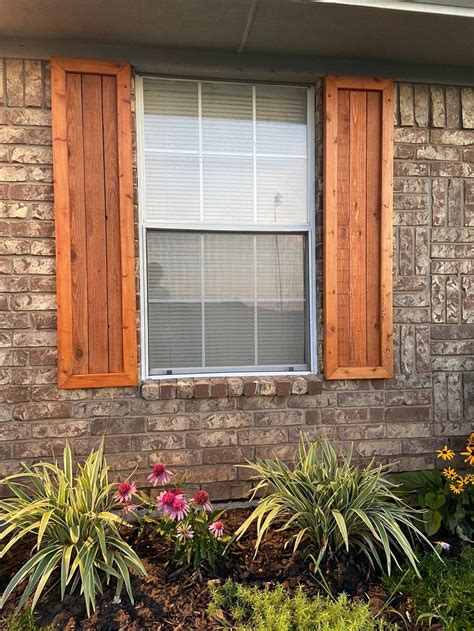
pixel 172 598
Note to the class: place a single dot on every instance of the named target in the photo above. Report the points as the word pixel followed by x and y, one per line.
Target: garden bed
pixel 185 570
pixel 178 598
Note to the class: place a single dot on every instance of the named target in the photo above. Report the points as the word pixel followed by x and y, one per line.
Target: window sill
pixel 215 388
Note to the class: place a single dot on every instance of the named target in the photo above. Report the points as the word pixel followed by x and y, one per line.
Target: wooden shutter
pixel 93 198
pixel 358 228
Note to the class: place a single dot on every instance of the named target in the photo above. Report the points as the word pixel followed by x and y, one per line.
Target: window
pixel 226 227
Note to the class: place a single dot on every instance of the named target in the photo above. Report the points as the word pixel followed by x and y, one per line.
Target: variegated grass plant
pixel 335 506
pixel 70 515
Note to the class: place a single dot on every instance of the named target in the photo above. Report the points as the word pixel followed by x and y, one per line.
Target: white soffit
pixel 462 8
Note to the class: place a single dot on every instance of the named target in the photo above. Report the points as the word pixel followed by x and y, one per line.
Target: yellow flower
pixel 468 479
pixel 450 473
pixel 457 487
pixel 470 455
pixel 445 453
pixel 470 440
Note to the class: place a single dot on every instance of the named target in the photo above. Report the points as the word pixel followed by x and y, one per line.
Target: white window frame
pixel 144 226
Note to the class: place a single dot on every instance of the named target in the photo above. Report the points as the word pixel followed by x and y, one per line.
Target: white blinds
pixel 223 153
pixel 221 300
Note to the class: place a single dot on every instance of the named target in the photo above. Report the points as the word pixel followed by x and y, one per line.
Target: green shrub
pixel 334 505
pixel 76 532
pixel 251 609
pixel 443 593
pixel 23 621
pixel 431 491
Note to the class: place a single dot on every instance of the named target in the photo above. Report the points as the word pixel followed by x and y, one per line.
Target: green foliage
pixel 335 506
pixel 75 529
pixel 430 491
pixel 203 546
pixel 251 609
pixel 444 592
pixel 22 621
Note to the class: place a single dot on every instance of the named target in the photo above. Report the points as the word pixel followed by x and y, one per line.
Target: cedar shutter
pixel 93 198
pixel 358 152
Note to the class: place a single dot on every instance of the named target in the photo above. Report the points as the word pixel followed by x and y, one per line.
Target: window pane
pixel 281 120
pixel 222 153
pixel 281 338
pixel 172 188
pixel 230 334
pixel 281 190
pixel 250 289
pixel 227 123
pixel 280 267
pixel 171 115
pixel 174 266
pixel 229 266
pixel 228 189
pixel 174 335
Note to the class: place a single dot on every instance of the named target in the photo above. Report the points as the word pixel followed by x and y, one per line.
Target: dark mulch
pixel 171 598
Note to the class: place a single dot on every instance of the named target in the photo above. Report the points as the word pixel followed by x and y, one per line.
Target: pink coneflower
pixel 160 475
pixel 165 500
pixel 184 532
pixel 125 491
pixel 129 507
pixel 201 500
pixel 173 504
pixel 179 509
pixel 217 528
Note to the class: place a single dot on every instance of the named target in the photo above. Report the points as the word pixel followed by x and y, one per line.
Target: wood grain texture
pixel 95 223
pixel 62 222
pixel 386 231
pixel 92 153
pixel 89 66
pixel 343 229
pixel 80 337
pixel 330 226
pixel 127 244
pixel 112 223
pixel 358 128
pixel 357 227
pixel 374 158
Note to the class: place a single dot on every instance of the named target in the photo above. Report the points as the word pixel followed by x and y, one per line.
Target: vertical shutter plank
pixel 80 350
pixel 358 209
pixel 93 196
pixel 374 157
pixel 62 211
pixel 330 227
pixel 343 223
pixel 95 223
pixel 358 228
pixel 386 234
pixel 114 288
pixel 127 251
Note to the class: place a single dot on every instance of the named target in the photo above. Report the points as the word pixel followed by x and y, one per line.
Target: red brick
pixel 283 386
pixel 223 455
pixel 38 411
pixel 218 388
pixel 167 391
pixel 250 387
pixel 315 386
pixel 201 389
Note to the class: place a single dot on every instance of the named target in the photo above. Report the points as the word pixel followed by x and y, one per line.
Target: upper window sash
pixel 224 154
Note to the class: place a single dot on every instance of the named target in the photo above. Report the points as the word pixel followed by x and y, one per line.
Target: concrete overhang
pixel 430 40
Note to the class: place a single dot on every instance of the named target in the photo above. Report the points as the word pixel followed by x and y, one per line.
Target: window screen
pixel 226 227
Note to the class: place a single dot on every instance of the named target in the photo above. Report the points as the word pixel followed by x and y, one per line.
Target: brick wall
pixel 207 427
